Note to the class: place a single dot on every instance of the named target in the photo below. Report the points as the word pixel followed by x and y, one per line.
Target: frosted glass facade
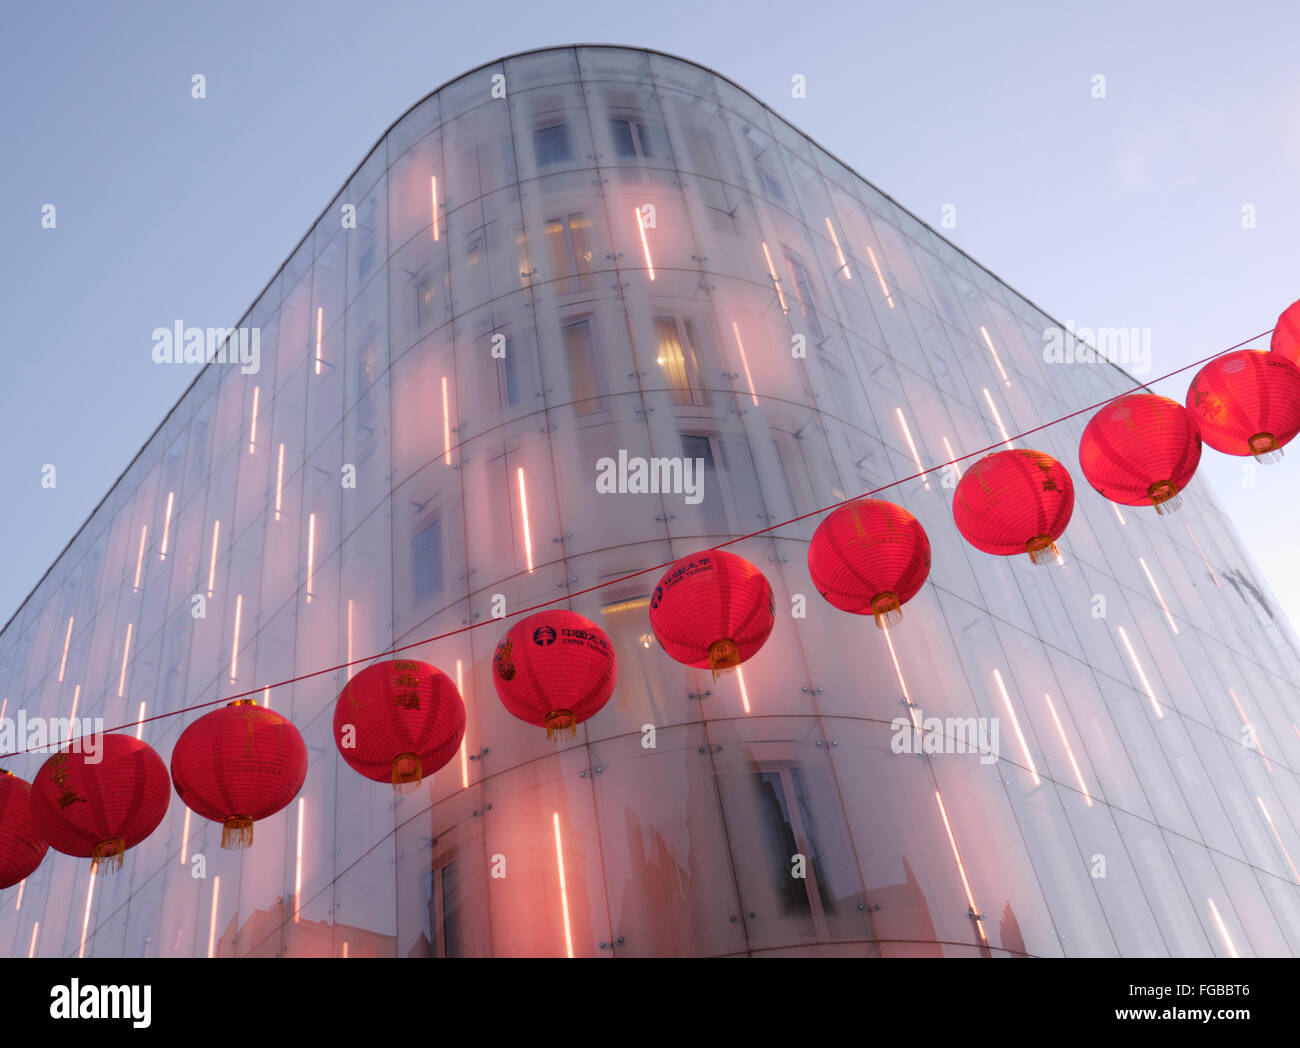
pixel 627 252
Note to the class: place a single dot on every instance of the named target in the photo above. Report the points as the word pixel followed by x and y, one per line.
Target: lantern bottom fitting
pixel 724 655
pixel 1265 448
pixel 1164 496
pixel 561 725
pixel 887 609
pixel 237 833
pixel 1041 549
pixel 407 772
pixel 107 856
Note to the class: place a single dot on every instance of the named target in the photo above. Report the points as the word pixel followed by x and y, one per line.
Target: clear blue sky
pixel 1123 212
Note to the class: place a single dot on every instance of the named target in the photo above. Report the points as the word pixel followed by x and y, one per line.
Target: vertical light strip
pixel 1278 837
pixel 320 323
pixel 961 868
pixel 139 726
pixel 185 839
pixel 139 557
pixel 252 423
pixel 433 203
pixel 564 891
pixel 350 670
pixel 645 246
pixel 1245 722
pixel 126 651
pixel 1123 522
pixel 345 942
pixel 1204 559
pixel 1137 666
pixel 776 282
pixel 898 669
pixel 266 696
pixel 212 921
pixel 844 262
pixel 67 639
pixel 31 950
pixel 523 511
pixel 912 445
pixel 464 742
pixel 23 884
pixel 446 424
pixel 76 698
pixel 1223 930
pixel 744 692
pixel 297 874
pixel 1069 752
pixel 952 457
pixel 279 482
pixel 996 359
pixel 745 361
pixel 1006 437
pixel 1156 590
pixel 234 644
pixel 212 560
pixel 311 551
pixel 1015 723
pixel 167 525
pixel 85 920
pixel 884 290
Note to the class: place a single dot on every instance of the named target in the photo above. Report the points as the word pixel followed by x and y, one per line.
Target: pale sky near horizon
pixel 1117 212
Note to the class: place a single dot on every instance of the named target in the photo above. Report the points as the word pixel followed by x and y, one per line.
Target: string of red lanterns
pixel 401 720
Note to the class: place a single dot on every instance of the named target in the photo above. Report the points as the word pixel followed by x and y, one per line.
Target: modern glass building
pixel 585 251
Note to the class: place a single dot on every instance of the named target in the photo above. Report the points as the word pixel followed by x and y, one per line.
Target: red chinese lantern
pixel 554 669
pixel 1286 335
pixel 237 765
pixel 712 610
pixel 1247 403
pixel 1141 450
pixel 97 805
pixel 399 721
pixel 21 845
pixel 869 557
pixel 1014 501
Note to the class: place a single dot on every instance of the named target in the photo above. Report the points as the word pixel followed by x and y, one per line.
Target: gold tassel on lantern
pixel 1041 549
pixel 408 772
pixel 1265 448
pixel 887 609
pixel 107 856
pixel 723 655
pixel 237 832
pixel 561 725
pixel 1164 496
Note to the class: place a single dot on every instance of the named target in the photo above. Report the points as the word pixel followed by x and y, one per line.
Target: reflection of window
pixel 424 301
pixel 426 561
pixel 553 145
pixel 698 448
pixel 366 223
pixel 678 360
pixel 572 255
pixel 792 828
pixel 803 291
pixel 584 367
pixel 447 911
pixel 758 151
pixel 508 374
pixel 367 372
pixel 632 139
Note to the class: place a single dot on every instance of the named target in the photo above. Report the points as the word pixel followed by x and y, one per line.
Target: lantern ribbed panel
pixel 241 761
pixel 1286 334
pixel 866 549
pixel 399 707
pixel 1139 447
pixel 709 597
pixel 80 806
pixel 555 660
pixel 21 845
pixel 1010 498
pixel 1247 402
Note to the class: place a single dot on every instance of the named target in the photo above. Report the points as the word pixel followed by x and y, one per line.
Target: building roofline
pixel 311 229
